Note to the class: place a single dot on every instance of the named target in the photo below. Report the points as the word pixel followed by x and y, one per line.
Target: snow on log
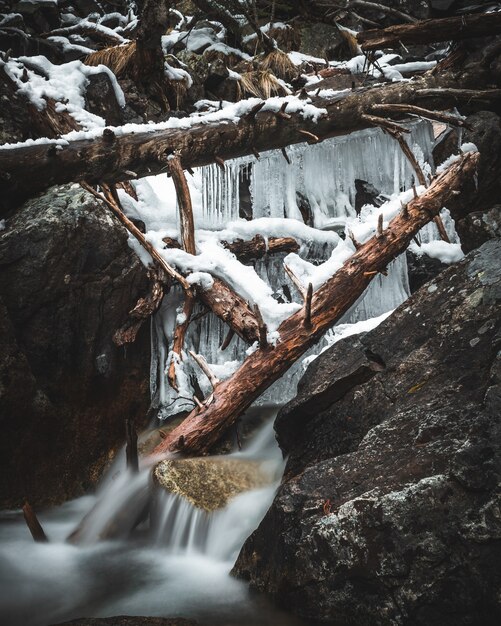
pixel 430 31
pixel 203 427
pixel 240 129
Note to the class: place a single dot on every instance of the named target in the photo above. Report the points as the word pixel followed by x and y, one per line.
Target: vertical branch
pixel 420 177
pixel 131 447
pixel 187 226
pixel 295 281
pixel 185 205
pixel 307 306
pixel 204 366
pixel 441 229
pixel 31 519
pixel 263 331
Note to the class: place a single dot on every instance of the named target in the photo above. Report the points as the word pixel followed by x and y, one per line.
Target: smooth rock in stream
pixel 210 483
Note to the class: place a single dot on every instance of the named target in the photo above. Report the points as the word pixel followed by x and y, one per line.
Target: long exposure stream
pixel 179 565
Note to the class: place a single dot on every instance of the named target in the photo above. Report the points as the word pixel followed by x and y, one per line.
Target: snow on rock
pixel 64 83
pixel 441 250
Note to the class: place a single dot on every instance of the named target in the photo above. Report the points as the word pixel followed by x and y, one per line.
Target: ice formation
pixel 317 184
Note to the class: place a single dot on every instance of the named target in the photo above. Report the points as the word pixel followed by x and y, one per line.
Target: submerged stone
pixel 210 483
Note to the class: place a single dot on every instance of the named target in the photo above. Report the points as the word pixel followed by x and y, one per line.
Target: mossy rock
pixel 210 483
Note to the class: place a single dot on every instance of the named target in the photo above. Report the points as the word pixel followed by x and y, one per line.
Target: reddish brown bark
pixel 202 428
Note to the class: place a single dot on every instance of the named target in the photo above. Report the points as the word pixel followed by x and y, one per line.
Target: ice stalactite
pixel 315 184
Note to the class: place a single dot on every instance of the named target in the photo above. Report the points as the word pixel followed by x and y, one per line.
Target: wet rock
pixel 67 282
pixel 321 40
pixel 39 17
pixel 480 226
pixel 20 44
pixel 389 512
pixel 209 483
pixel 101 100
pixel 422 269
pixel 366 194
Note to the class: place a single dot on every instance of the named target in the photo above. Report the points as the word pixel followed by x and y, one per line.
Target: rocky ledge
pixel 389 511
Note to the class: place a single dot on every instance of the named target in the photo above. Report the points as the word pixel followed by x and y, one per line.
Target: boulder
pixel 67 282
pixel 100 99
pixel 421 269
pixel 389 511
pixel 210 483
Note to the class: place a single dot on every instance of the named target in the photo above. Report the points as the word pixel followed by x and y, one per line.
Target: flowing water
pixel 176 564
pixel 176 560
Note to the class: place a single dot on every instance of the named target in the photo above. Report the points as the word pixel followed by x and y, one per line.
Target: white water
pixel 178 566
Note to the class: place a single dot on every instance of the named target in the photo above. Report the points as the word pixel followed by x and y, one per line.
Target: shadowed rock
pixel 389 510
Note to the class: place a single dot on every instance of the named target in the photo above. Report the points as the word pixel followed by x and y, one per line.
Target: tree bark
pixel 31 519
pixel 203 427
pixel 252 249
pixel 430 31
pixel 187 228
pixel 26 170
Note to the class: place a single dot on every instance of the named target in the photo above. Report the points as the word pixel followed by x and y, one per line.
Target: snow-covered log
pixel 244 128
pixel 203 427
pixel 430 31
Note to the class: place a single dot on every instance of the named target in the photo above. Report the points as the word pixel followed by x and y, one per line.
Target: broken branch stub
pixel 203 428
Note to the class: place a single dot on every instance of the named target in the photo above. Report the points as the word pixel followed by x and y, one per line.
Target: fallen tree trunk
pixel 26 170
pixel 430 31
pixel 203 427
pixel 219 297
pixel 251 249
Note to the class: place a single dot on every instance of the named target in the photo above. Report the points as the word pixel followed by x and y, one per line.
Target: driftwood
pixel 35 528
pixel 144 308
pixel 203 427
pixel 220 298
pixel 26 170
pixel 430 31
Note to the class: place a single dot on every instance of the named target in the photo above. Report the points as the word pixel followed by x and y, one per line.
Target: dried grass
pixel 120 59
pixel 260 84
pixel 280 65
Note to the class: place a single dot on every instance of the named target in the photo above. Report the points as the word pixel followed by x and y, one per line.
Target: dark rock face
pixel 477 213
pixel 101 100
pixel 423 268
pixel 67 282
pixel 388 512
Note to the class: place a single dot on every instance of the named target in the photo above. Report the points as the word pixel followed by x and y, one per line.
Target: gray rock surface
pixel 67 282
pixel 389 511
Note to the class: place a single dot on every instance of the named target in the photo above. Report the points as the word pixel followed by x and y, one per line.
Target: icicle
pixel 316 182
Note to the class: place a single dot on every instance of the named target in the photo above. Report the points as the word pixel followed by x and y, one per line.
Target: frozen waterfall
pixel 315 184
